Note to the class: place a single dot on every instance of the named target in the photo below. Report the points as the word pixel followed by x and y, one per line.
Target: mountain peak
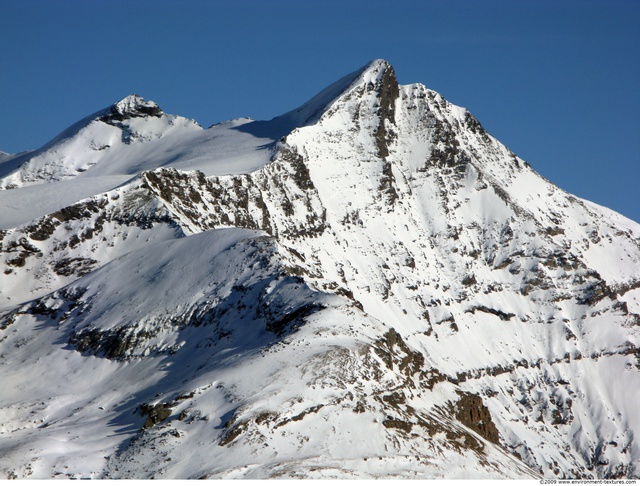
pixel 376 75
pixel 385 290
pixel 133 106
pixel 380 76
pixel 377 68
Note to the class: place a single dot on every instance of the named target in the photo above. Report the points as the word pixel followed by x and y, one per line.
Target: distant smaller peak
pixel 135 103
pixel 133 106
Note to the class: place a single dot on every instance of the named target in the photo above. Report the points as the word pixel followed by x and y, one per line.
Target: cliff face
pixel 386 291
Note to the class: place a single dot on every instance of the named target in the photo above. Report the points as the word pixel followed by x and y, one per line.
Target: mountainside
pixel 369 286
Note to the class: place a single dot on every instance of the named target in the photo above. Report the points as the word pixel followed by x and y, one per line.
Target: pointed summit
pixel 377 75
pixel 376 70
pixel 385 84
pixel 133 106
pixel 380 77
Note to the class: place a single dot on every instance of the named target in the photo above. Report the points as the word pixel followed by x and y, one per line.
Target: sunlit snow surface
pixel 327 294
pixel 222 149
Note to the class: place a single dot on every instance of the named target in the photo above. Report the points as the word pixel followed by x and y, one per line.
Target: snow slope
pixel 369 286
pixel 100 153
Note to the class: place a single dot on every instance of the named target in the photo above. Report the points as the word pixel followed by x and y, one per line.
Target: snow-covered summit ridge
pixel 313 109
pixel 93 144
pixel 133 106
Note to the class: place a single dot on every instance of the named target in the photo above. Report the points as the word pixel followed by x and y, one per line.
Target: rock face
pixel 393 293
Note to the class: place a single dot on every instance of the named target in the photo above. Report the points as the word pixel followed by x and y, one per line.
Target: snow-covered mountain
pixel 368 286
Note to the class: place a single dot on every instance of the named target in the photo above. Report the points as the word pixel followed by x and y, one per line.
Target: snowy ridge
pixel 98 140
pixel 368 286
pixel 315 108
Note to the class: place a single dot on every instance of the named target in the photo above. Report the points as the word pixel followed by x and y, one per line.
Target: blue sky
pixel 557 82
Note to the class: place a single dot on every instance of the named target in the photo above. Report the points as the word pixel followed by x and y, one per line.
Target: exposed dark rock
pixel 279 325
pixel 112 344
pixel 554 231
pixel 474 125
pixel 387 183
pixel 300 416
pixel 301 175
pixel 596 292
pixel 82 210
pixel 392 423
pixel 469 280
pixel 393 350
pixel 505 316
pixel 233 431
pixel 266 418
pixel 154 413
pixel 22 250
pixel 42 229
pixel 388 91
pixel 622 289
pixel 395 398
pixel 446 145
pixel 472 412
pixel 74 266
pixel 241 200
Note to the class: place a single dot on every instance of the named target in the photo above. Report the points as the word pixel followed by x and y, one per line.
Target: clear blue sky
pixel 556 81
